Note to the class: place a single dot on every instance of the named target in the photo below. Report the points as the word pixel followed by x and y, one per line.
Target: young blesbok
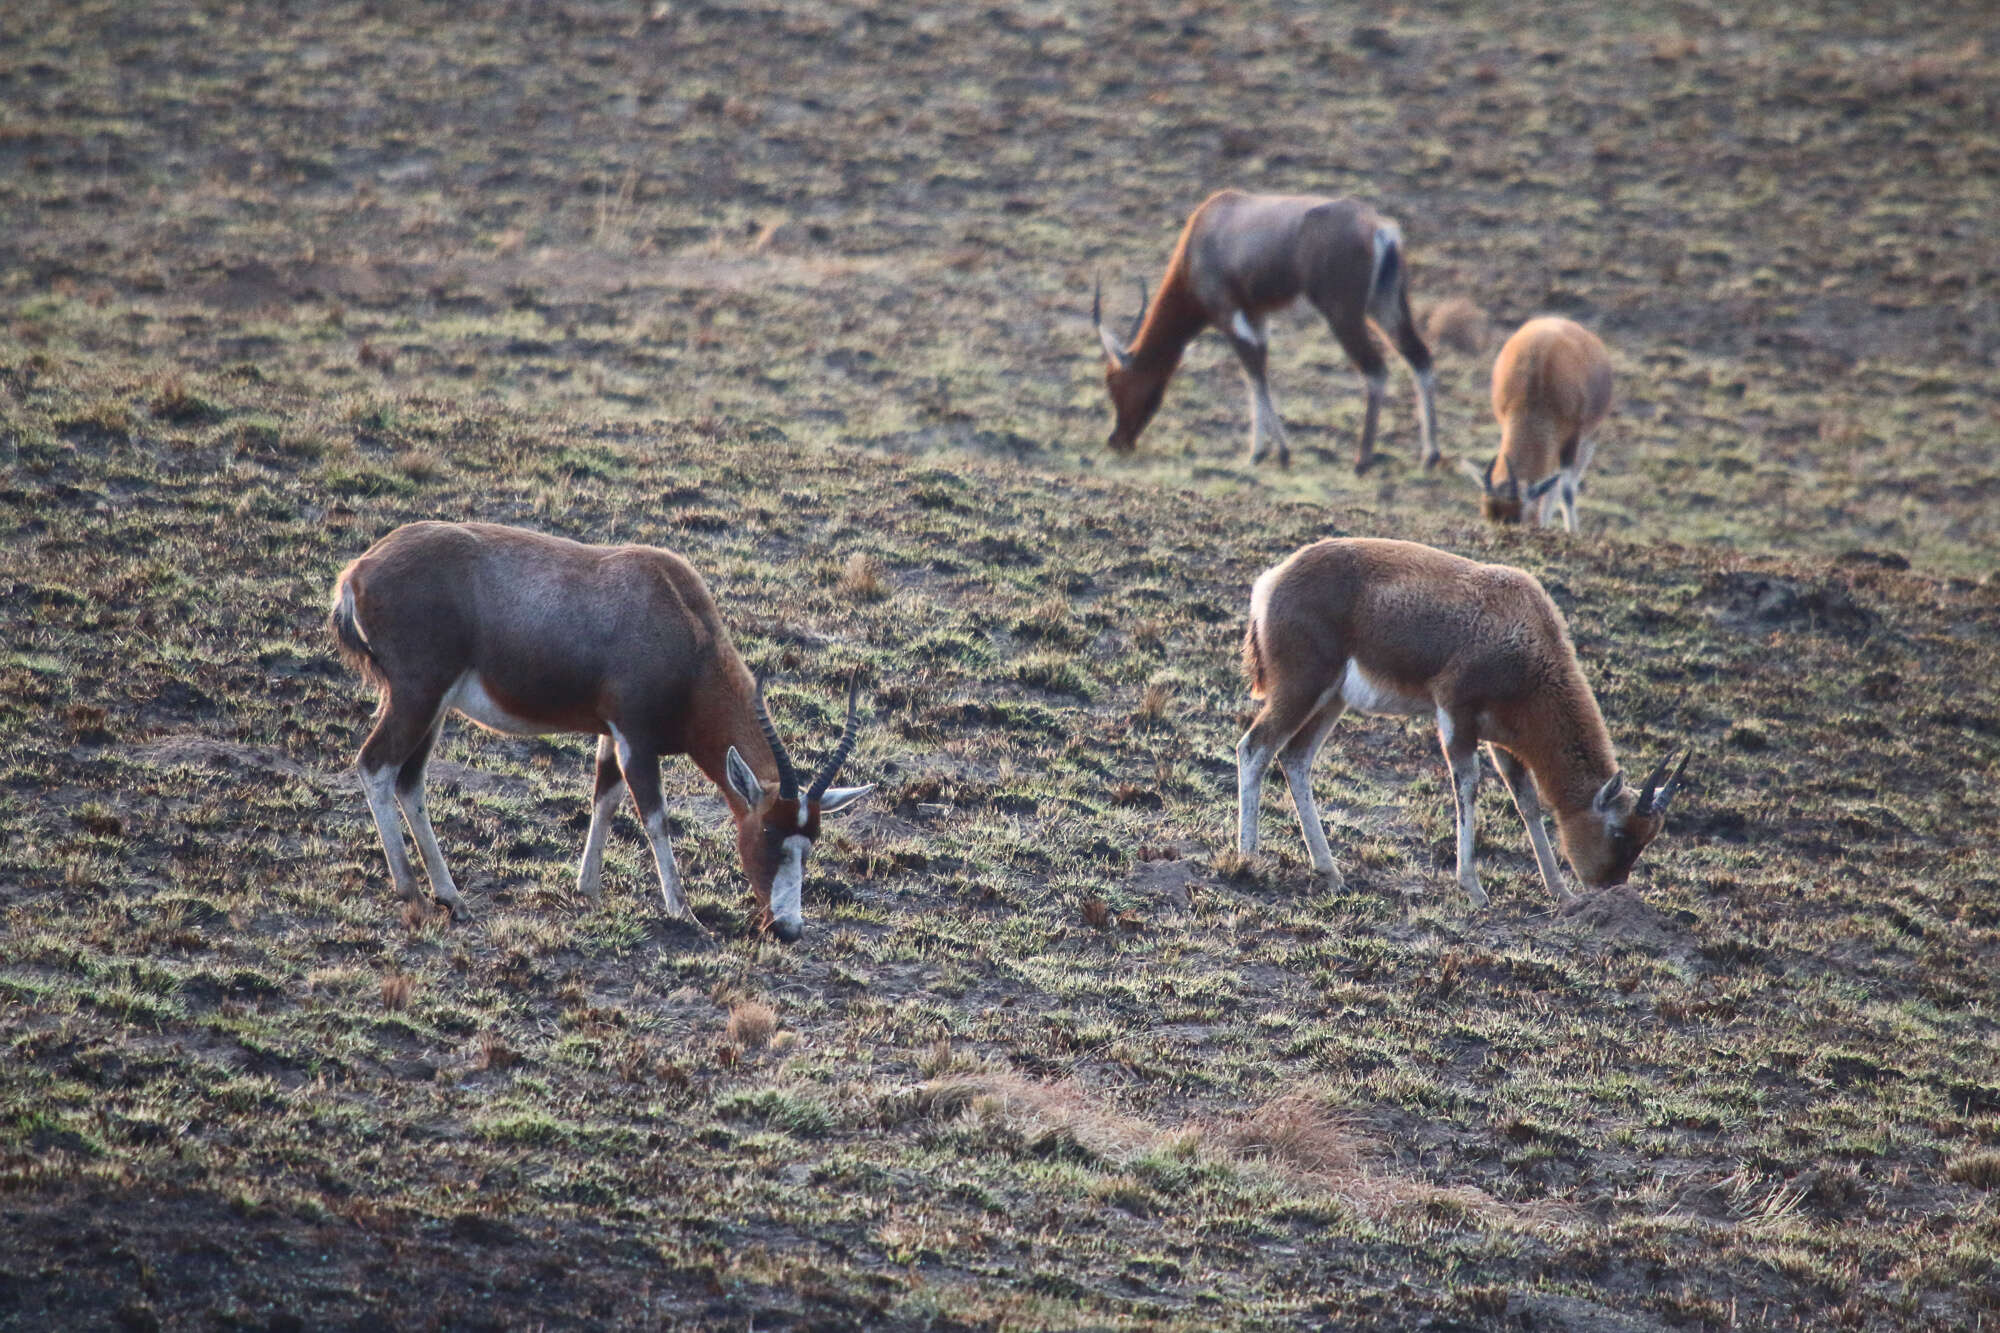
pixel 1551 390
pixel 1242 256
pixel 1394 627
pixel 529 634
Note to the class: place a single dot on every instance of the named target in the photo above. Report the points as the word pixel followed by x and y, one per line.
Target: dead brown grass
pixel 751 1023
pixel 396 991
pixel 1459 324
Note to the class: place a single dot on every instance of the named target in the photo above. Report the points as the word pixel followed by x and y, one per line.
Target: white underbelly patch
pixel 1365 694
pixel 469 697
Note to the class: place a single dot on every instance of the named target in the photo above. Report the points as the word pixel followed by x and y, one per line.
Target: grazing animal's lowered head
pixel 1135 392
pixel 778 824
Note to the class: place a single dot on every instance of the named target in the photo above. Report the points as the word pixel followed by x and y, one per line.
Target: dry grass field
pixel 801 291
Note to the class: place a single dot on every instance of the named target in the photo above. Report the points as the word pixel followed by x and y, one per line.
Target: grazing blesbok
pixel 1239 258
pixel 528 634
pixel 1397 628
pixel 1551 391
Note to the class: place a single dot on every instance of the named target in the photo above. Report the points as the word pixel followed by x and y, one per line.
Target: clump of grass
pixel 420 465
pixel 1052 672
pixel 1978 1169
pixel 751 1023
pixel 1297 1129
pixel 1152 710
pixel 397 987
pixel 179 405
pixel 1460 325
pixel 861 579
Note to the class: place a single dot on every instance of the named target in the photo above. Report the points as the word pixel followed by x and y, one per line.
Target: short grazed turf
pixel 798 291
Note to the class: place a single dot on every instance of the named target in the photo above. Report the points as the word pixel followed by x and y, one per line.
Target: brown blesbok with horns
pixel 529 634
pixel 1239 258
pixel 1394 627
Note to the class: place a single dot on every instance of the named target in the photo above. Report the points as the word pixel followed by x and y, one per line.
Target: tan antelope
pixel 1243 256
pixel 1551 391
pixel 1396 628
pixel 528 634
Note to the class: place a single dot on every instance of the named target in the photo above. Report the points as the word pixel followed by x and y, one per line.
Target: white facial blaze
pixel 787 884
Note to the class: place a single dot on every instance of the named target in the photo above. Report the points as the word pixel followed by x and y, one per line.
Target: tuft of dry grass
pixel 1297 1129
pixel 1459 324
pixel 861 579
pixel 1978 1169
pixel 751 1023
pixel 397 987
pixel 1153 703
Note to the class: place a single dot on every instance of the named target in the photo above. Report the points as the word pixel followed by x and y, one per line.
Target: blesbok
pixel 529 634
pixel 1391 627
pixel 1551 391
pixel 1239 258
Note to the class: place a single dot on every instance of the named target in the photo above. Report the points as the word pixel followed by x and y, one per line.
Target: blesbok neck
pixel 1172 321
pixel 710 739
pixel 1569 752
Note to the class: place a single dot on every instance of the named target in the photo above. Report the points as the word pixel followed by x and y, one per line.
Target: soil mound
pixel 1758 603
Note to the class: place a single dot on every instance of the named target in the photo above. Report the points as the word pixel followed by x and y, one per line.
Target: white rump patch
pixel 470 698
pixel 1366 694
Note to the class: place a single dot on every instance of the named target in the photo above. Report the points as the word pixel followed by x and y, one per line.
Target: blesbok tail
pixel 1387 279
pixel 347 632
pixel 1253 660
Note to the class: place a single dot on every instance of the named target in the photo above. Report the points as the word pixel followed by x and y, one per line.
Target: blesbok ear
pixel 837 800
pixel 1476 474
pixel 741 780
pixel 1606 800
pixel 1544 486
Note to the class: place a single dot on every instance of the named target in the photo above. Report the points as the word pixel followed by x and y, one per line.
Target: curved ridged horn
pixel 832 769
pixel 1139 321
pixel 1112 348
pixel 788 777
pixel 1653 797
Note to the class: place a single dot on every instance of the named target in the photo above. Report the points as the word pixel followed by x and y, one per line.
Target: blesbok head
pixel 777 827
pixel 1134 396
pixel 1509 501
pixel 1604 843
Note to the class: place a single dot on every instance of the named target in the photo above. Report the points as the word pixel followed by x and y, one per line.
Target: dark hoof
pixel 1361 466
pixel 1434 462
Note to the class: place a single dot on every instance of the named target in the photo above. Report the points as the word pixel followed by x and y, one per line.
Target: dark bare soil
pixel 800 291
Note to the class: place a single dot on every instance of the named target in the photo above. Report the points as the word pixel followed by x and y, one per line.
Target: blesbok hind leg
pixel 1514 775
pixel 1296 759
pixel 642 776
pixel 1359 344
pixel 603 803
pixel 1461 754
pixel 1267 429
pixel 410 795
pixel 1397 322
pixel 1286 711
pixel 400 729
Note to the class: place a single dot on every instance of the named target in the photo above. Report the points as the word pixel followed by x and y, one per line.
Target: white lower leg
pixel 1427 415
pixel 380 789
pixel 1465 786
pixel 442 887
pixel 590 871
pixel 663 856
pixel 1298 776
pixel 1251 765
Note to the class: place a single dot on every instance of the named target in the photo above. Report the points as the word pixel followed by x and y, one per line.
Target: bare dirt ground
pixel 801 292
